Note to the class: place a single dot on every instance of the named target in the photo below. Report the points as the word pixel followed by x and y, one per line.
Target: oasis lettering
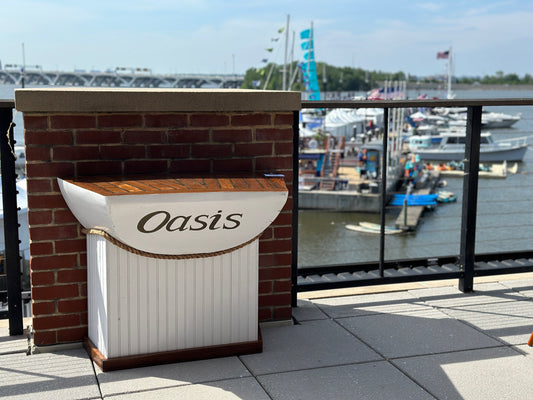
pixel 158 220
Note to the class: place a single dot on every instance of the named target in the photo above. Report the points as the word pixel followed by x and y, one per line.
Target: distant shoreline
pixel 466 86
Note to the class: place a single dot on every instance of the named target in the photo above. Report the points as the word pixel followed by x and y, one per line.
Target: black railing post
pixel 9 197
pixel 384 167
pixel 295 181
pixel 470 189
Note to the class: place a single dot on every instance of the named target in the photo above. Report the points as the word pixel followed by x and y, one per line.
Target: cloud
pixel 432 7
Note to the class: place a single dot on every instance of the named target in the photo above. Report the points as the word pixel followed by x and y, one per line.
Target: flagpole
pixel 449 89
pixel 23 66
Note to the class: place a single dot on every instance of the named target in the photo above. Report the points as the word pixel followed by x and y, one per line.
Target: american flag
pixel 390 93
pixel 377 94
pixel 443 55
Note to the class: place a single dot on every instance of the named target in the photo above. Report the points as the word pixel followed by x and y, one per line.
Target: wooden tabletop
pixel 157 184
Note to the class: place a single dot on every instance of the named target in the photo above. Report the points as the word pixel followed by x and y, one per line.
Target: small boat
pixel 444 196
pixel 414 200
pixel 369 227
pixel 452 147
pixel 492 120
pixel 495 170
pixel 489 119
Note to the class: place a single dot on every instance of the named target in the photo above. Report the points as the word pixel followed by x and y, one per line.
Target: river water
pixel 504 220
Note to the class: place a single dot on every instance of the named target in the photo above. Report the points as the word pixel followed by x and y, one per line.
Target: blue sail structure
pixel 308 67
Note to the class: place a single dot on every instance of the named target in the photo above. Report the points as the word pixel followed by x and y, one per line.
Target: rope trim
pixel 123 246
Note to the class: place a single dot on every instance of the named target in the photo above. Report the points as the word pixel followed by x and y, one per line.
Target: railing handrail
pixel 4 103
pixel 416 103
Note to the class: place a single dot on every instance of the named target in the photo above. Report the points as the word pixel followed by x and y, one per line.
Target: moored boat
pixel 369 227
pixel 452 147
pixel 492 170
pixel 444 196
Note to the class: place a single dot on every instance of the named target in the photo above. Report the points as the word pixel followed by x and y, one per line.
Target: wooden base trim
pixel 167 357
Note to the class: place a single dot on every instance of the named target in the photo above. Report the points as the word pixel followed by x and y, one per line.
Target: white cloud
pixel 432 7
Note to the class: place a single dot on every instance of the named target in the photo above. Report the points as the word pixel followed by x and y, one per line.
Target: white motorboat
pixel 368 227
pixel 492 120
pixel 489 119
pixel 452 147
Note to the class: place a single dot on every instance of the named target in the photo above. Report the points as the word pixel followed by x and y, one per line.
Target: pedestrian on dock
pixel 361 160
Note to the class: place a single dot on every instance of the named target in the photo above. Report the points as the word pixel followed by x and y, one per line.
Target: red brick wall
pixel 75 145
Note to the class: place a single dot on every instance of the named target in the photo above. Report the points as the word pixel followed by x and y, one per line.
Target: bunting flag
pixel 308 68
pixel 443 55
pixel 274 39
pixel 310 55
pixel 269 49
pixel 280 30
pixel 265 60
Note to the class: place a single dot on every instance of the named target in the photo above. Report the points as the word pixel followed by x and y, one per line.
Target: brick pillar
pixel 71 133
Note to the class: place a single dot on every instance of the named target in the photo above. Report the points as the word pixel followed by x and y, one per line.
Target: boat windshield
pixel 462 140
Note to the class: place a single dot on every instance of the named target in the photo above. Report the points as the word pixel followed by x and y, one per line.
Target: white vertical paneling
pixel 172 307
pixel 141 305
pixel 217 301
pixel 112 301
pixel 189 320
pixel 225 287
pixel 199 290
pixel 133 304
pixel 208 311
pixel 123 317
pixel 181 284
pixel 252 293
pixel 97 288
pixel 153 312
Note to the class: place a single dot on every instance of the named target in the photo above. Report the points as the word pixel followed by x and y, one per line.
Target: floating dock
pixel 409 217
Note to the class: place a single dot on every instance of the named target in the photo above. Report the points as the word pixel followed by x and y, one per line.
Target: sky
pixel 230 36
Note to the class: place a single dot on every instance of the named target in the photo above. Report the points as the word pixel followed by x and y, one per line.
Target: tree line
pixel 357 79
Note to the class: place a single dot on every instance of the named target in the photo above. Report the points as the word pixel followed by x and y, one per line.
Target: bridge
pixel 120 77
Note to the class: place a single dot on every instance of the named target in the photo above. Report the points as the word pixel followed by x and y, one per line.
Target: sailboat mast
pixel 291 61
pixel 286 52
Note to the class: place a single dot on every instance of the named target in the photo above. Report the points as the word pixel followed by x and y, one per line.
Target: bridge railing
pixel 119 79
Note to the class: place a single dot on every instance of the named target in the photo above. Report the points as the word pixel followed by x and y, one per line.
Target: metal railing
pixel 464 265
pixel 11 281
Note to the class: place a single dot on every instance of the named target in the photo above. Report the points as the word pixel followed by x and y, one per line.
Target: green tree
pixel 357 79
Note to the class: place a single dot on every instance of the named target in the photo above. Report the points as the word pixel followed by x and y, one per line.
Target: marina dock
pixel 409 217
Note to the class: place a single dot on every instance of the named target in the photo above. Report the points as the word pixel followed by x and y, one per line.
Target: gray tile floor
pixel 430 343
